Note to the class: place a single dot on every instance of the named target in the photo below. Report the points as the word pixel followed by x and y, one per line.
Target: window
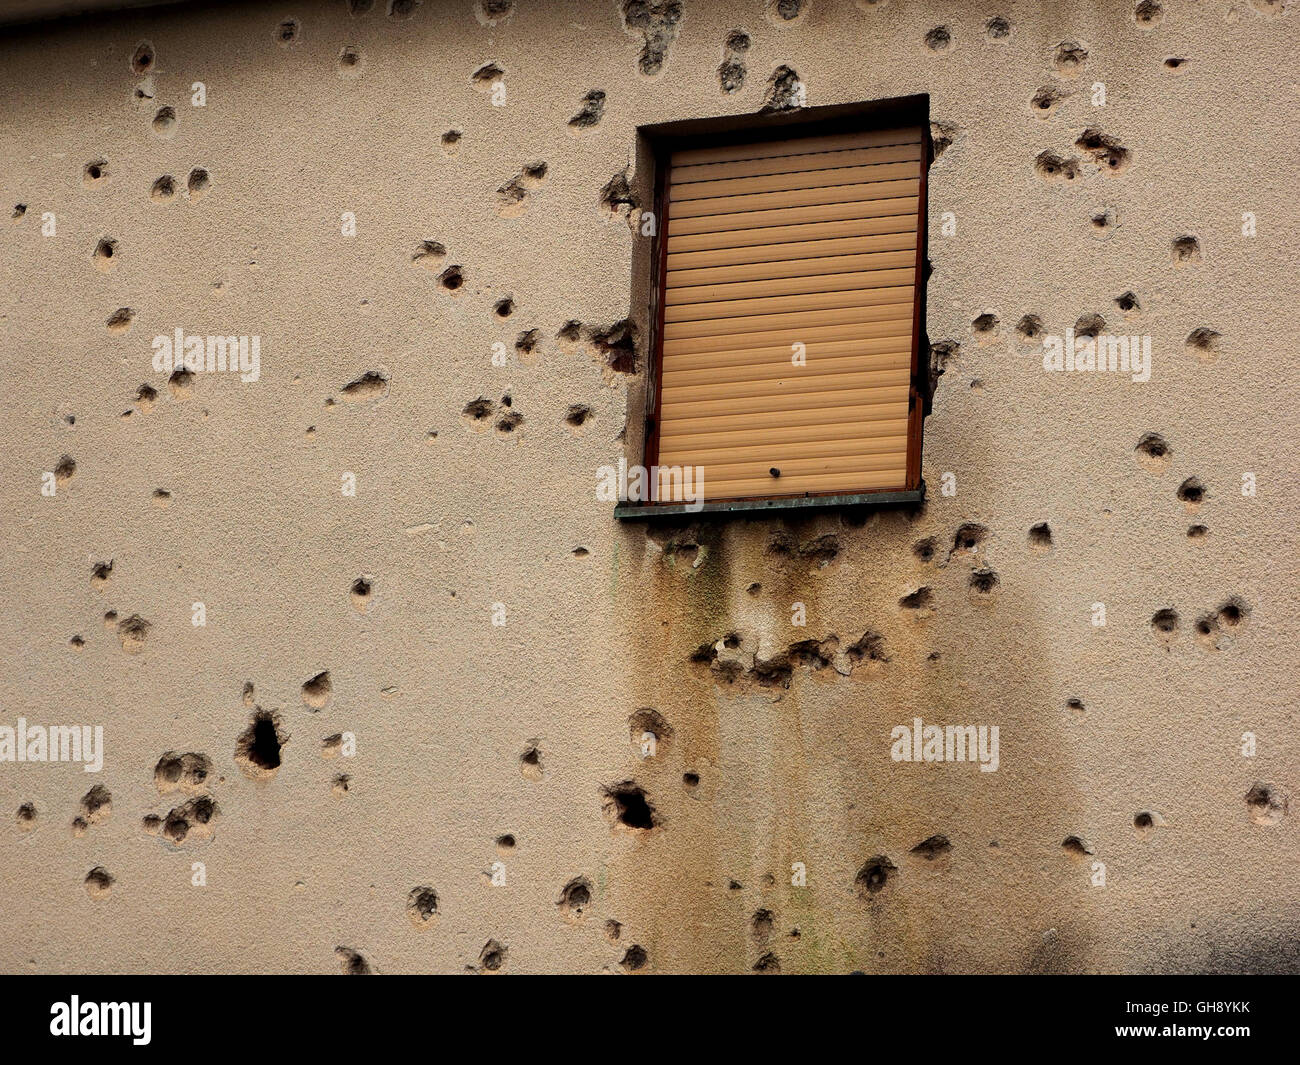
pixel 789 306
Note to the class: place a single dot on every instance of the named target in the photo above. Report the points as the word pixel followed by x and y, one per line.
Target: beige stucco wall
pixel 443 704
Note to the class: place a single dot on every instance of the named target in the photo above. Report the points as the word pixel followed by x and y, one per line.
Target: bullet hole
pixel 450 141
pixel 939 39
pixel 731 72
pixel 1267 803
pixel 1075 706
pixel 257 751
pixel 198 183
pixel 921 599
pixel 613 929
pixel 76 643
pixel 1207 632
pixel 985 323
pixel 402 9
pixel 934 847
pixel 94 173
pixel 163 189
pixel 182 772
pixel 1164 623
pixel 869 647
pixel 505 844
pixel 486 76
pixel 942 353
pixel 331 746
pixel 982 582
pixel 19 210
pixel 575 897
pixel 451 279
pixel 691 781
pixel 822 551
pixel 1204 343
pixel 1069 56
pixel 873 876
pixel 429 254
pixel 96 805
pixel 754 589
pixel 1127 302
pixel 1090 325
pixel 361 594
pixel 580 552
pixel 287 32
pixel 181 383
pixel 162 498
pixel 647 719
pixel 998 28
pixel 784 90
pixel 101 573
pixel 132 633
pixel 350 61
pixel 504 307
pixel 1076 846
pixel 656 23
pixel 508 422
pixel 530 763
pixel 1148 14
pixel 1106 151
pixel 634 958
pixel 1197 532
pixel 626 804
pixel 1233 613
pixel 616 345
pixel 577 416
pixel 769 964
pixel 1051 167
pixel 492 957
pixel 490 12
pixel 512 197
pixel 1040 537
pixel 316 691
pixel 967 539
pixel 1175 62
pixel 1191 493
pixel 26 817
pixel 357 8
pixel 1104 222
pixel 1153 453
pixel 590 112
pixel 110 620
pixel 1045 101
pixel 1186 249
pixel 422 907
pixel 370 386
pixel 352 962
pixel 164 122
pixel 105 250
pixel 942 134
pixel 142 59
pixel 785 10
pixel 99 883
pixel 1030 327
pixel 616 196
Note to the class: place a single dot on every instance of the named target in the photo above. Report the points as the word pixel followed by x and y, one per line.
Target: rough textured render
pixel 462 719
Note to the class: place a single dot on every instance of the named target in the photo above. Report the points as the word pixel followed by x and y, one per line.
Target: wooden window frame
pixel 660 142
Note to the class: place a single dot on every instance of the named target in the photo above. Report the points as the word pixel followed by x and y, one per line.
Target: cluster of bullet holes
pixel 1106 151
pixel 513 196
pixel 590 112
pixel 482 412
pixel 95 809
pixel 731 72
pixel 784 90
pixel 656 22
pixel 1212 630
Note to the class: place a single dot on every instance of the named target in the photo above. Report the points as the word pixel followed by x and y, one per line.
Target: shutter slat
pixel 776 235
pixel 789 216
pixel 791 252
pixel 797 146
pixel 789 164
pixel 804 246
pixel 691 192
pixel 850 267
pixel 864 194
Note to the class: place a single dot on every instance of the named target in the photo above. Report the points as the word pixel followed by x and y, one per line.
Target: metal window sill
pixel 865 500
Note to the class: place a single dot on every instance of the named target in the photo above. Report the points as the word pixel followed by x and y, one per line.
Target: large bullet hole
pixel 257 751
pixel 492 956
pixel 1076 846
pixel 873 876
pixel 422 906
pixel 1040 537
pixel 1191 493
pixel 1030 327
pixel 917 600
pixel 628 805
pixel 1165 623
pixel 634 958
pixel 575 898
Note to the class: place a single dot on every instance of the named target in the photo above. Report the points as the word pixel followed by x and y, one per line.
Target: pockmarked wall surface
pixel 376 682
